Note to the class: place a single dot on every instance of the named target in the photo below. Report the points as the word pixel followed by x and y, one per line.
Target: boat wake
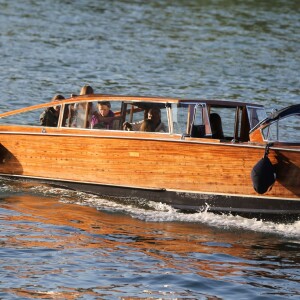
pixel 150 211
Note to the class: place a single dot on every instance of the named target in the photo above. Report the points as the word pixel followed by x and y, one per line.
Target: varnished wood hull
pixel 187 174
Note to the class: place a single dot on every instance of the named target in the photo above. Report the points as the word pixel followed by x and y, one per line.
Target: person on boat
pixel 104 117
pixel 154 114
pixel 135 126
pixel 147 126
pixel 50 116
pixel 216 126
pixel 85 90
pixel 77 111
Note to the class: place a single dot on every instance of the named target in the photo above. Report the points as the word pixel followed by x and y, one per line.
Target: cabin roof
pixel 221 103
pixel 154 99
pixel 135 99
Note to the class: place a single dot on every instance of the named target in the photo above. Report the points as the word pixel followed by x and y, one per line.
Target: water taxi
pixel 215 155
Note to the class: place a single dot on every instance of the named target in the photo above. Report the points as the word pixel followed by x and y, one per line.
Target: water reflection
pixel 43 240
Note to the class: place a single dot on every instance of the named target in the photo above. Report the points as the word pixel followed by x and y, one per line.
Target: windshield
pixel 284 130
pixel 255 115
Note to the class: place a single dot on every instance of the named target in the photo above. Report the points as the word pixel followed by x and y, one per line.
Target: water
pixel 58 244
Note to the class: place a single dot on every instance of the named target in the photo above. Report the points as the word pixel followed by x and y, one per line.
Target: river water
pixel 58 244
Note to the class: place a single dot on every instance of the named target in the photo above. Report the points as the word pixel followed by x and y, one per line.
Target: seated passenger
pixel 154 114
pixel 85 90
pixel 216 126
pixel 104 117
pixel 77 111
pixel 135 126
pixel 50 116
pixel 147 126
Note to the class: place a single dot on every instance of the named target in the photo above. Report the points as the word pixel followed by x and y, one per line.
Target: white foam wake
pixel 150 211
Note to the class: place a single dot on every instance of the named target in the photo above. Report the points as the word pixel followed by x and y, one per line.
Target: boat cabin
pixel 217 119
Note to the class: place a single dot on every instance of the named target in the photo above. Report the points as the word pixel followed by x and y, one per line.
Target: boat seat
pixel 198 131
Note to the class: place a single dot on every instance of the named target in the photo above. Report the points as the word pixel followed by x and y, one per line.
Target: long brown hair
pixel 57 98
pixel 86 90
pixel 147 126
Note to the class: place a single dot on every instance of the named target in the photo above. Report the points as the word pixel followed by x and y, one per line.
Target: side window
pixel 106 115
pixel 74 115
pixel 180 117
pixel 164 116
pixel 147 117
pixel 226 118
pixel 117 109
pixel 185 116
pixel 134 114
pixel 78 114
pixel 255 115
pixel 200 121
pixel 47 117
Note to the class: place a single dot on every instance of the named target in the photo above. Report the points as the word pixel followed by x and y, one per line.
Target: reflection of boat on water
pixel 85 241
pixel 85 229
pixel 192 166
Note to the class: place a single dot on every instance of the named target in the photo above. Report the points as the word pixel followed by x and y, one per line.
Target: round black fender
pixel 263 174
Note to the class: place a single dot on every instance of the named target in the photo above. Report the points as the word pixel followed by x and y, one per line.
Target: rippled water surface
pixel 58 244
pixel 61 244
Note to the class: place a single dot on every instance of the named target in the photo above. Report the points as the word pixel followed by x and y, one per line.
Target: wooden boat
pixel 252 168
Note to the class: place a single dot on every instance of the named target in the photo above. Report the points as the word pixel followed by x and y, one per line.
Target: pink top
pixel 101 124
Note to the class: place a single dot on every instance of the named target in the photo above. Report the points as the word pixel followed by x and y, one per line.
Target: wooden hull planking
pixel 197 172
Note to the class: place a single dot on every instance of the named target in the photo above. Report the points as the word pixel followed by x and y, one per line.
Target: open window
pixel 255 115
pixel 84 115
pixel 47 117
pixel 153 115
pixel 190 119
